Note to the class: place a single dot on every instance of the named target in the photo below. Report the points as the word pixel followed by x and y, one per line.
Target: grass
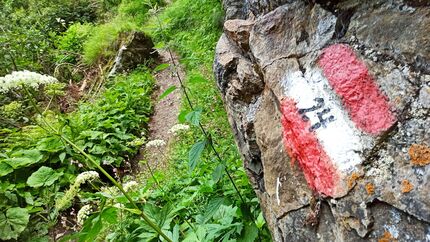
pixel 192 29
pixel 130 16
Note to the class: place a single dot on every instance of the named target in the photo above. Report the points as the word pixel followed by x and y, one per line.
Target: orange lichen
pixel 387 237
pixel 370 188
pixel 407 186
pixel 420 154
pixel 352 179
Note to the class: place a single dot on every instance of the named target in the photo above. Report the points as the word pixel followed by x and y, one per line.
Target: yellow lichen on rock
pixel 407 186
pixel 420 154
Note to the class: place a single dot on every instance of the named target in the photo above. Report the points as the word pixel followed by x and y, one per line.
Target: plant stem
pixel 190 104
pixel 96 164
pixel 164 194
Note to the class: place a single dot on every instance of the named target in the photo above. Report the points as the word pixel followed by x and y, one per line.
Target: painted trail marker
pixel 329 115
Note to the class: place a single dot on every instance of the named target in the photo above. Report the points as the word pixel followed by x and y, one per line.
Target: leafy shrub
pixel 70 43
pixel 103 128
pixel 29 26
pixel 35 165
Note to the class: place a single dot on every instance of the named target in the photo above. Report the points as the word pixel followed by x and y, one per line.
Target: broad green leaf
pixel 50 144
pixel 5 168
pixel 194 117
pixel 212 208
pixel 217 173
pixel 13 222
pixel 110 215
pixel 196 79
pixel 195 153
pixel 260 221
pixel 24 158
pixel 161 67
pixel 167 92
pixel 250 234
pixel 92 227
pixel 62 156
pixel 175 233
pixel 92 134
pixel 28 198
pixel 44 176
pixel 225 214
pixel 182 117
pixel 98 150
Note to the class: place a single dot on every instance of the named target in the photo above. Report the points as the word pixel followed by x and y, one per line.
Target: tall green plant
pixel 52 130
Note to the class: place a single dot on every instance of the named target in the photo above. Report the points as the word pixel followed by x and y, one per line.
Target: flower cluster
pixel 155 143
pixel 83 214
pixel 109 191
pixel 66 200
pixel 177 128
pixel 130 186
pixel 86 176
pixel 26 78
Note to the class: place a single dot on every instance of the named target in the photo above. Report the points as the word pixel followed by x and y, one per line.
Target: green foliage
pixel 195 153
pixel 105 38
pixel 13 222
pixel 101 44
pixel 103 128
pixel 44 176
pixel 70 43
pixel 28 29
pixel 192 28
pixel 35 164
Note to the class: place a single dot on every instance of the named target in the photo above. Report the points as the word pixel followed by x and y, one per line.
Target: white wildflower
pixel 83 214
pixel 130 186
pixel 86 176
pixel 177 128
pixel 27 78
pixel 155 143
pixel 109 191
pixel 67 199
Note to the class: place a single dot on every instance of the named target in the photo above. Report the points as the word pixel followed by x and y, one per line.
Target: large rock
pixel 136 49
pixel 329 103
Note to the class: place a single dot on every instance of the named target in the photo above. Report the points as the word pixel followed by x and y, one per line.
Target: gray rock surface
pixel 269 46
pixel 136 49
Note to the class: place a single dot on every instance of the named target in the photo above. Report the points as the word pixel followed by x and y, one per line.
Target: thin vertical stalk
pixel 190 104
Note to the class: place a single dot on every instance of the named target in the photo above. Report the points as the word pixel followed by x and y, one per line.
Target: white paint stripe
pixel 278 185
pixel 340 139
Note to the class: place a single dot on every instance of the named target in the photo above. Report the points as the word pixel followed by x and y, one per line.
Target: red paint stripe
pixel 302 145
pixel 350 79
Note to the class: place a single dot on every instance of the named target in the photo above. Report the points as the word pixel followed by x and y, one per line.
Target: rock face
pixel 329 102
pixel 135 50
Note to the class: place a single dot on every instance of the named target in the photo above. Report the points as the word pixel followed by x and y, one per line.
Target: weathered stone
pixel 294 96
pixel 137 49
pixel 238 31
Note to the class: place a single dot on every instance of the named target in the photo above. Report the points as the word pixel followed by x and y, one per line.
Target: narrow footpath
pixel 165 114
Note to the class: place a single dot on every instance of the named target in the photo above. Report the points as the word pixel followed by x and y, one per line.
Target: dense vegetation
pixel 55 135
